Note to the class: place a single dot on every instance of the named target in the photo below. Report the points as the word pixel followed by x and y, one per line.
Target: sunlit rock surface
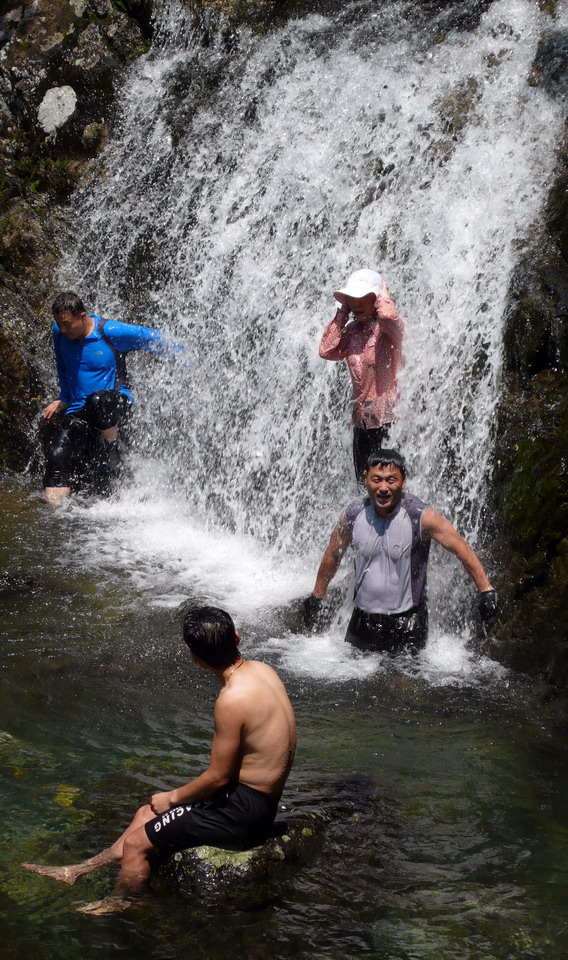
pixel 56 107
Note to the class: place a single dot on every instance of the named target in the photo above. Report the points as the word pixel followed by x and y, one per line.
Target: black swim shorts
pixel 74 444
pixel 235 818
pixel 389 632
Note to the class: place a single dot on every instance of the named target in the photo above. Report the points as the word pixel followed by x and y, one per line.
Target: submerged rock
pixel 329 828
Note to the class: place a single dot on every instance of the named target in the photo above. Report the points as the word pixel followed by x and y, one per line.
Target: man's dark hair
pixel 387 458
pixel 210 634
pixel 67 302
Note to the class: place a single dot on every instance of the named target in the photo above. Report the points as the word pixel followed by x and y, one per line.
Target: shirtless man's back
pixel 231 804
pixel 256 698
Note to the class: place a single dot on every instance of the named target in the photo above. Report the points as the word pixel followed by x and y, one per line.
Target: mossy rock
pixel 246 877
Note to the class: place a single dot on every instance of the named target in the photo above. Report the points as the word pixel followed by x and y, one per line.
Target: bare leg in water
pixel 133 850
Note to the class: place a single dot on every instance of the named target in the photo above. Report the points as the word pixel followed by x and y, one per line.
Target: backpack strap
pixel 121 372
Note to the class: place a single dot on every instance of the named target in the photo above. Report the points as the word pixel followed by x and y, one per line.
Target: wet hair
pixel 67 302
pixel 210 635
pixel 387 458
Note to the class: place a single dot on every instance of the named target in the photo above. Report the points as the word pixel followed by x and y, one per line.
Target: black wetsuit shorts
pixel 75 444
pixel 389 632
pixel 235 818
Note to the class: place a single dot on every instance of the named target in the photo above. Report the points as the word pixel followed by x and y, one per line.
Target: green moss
pixel 535 495
pixel 224 858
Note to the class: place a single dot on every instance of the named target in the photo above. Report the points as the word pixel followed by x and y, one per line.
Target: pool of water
pixel 450 839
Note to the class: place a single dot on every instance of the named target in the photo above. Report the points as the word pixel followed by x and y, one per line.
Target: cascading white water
pixel 251 175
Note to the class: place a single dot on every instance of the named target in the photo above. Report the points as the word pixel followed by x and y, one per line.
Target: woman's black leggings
pixel 366 442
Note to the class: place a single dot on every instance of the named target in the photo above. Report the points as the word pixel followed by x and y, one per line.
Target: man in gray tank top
pixel 390 532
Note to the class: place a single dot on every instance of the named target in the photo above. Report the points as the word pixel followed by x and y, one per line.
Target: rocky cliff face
pixel 60 67
pixel 530 482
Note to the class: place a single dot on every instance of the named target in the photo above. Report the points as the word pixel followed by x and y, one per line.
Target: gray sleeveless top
pixel 391 558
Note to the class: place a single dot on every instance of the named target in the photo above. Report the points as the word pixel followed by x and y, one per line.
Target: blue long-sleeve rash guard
pixel 85 366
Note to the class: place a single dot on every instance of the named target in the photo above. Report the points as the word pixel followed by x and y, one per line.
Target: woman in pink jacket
pixel 367 332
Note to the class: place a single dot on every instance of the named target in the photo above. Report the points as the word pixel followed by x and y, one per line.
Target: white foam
pixel 166 554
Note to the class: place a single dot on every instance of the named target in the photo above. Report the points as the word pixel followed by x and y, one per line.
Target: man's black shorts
pixel 235 818
pixel 74 444
pixel 389 632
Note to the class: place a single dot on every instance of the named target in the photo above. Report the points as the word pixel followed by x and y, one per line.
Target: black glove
pixel 311 608
pixel 488 605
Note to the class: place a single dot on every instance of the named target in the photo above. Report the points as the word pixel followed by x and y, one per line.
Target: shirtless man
pixel 251 755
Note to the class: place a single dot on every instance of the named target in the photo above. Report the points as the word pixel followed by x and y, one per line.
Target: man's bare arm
pixel 441 530
pixel 224 763
pixel 338 543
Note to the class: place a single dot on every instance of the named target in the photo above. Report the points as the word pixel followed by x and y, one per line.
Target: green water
pixel 451 842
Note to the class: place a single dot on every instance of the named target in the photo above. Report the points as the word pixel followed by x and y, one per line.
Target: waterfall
pixel 252 172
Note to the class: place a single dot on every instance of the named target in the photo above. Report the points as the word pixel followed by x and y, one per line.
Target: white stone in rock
pixel 78 7
pixel 56 107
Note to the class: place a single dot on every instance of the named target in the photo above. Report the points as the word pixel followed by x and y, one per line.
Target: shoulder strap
pixel 420 548
pixel 353 510
pixel 121 373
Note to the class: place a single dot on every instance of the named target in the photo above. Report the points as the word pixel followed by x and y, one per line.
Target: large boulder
pixel 330 827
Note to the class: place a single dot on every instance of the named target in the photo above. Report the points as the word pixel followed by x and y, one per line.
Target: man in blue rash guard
pixel 94 393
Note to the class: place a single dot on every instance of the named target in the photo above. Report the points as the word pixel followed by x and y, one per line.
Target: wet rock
pixel 331 827
pixel 460 14
pixel 61 65
pixel 20 385
pixel 209 874
pixel 550 67
pixel 28 243
pixel 530 479
pixel 96 134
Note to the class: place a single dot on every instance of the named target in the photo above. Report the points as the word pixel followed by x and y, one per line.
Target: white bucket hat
pixel 360 284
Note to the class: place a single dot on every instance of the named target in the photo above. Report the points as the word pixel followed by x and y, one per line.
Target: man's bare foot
pixel 106 907
pixel 65 874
